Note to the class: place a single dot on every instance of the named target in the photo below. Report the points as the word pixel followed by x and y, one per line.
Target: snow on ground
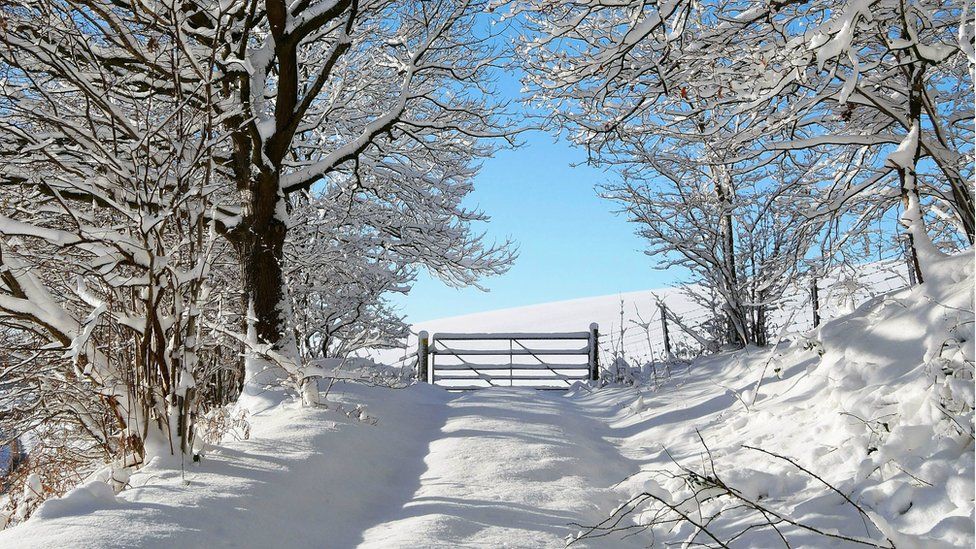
pixel 510 468
pixel 489 469
pixel 865 403
pixel 305 478
pixel 877 403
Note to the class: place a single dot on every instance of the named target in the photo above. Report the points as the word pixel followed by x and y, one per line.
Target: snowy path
pixel 511 468
pixel 499 468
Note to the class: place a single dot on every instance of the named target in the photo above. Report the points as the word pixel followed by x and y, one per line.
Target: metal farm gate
pixel 534 360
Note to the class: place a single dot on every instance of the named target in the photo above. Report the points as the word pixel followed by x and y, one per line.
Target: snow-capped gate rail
pixel 541 360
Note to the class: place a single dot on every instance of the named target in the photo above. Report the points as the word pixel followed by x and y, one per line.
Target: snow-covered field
pixel 876 403
pixel 839 293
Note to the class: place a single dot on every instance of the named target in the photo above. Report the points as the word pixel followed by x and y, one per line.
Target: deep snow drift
pixel 876 403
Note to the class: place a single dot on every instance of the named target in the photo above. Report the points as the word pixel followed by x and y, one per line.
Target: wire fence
pixel 839 292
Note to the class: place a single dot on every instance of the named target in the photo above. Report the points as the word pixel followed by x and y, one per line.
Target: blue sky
pixel 570 243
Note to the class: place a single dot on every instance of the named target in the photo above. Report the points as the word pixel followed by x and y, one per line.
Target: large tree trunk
pixel 262 252
pixel 260 238
pixel 271 353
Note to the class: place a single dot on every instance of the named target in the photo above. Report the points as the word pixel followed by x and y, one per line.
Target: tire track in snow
pixel 510 468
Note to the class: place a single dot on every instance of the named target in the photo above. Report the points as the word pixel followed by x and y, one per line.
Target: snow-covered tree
pixel 349 249
pixel 340 281
pixel 153 156
pixel 815 94
pixel 327 89
pixel 299 93
pixel 740 244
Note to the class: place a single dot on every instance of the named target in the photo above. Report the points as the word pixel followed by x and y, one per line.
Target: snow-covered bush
pixel 107 252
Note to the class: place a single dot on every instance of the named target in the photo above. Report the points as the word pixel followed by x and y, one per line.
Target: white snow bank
pixel 879 403
pixel 305 478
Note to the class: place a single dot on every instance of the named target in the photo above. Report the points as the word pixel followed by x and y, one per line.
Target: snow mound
pixel 80 500
pixel 877 404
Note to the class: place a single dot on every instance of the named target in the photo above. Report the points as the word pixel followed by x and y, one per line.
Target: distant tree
pixel 346 260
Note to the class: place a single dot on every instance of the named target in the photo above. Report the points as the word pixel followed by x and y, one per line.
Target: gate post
pixel 593 360
pixel 664 329
pixel 815 301
pixel 422 352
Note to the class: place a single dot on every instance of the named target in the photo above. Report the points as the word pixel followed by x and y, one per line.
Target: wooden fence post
pixel 422 353
pixel 912 281
pixel 594 358
pixel 815 301
pixel 664 328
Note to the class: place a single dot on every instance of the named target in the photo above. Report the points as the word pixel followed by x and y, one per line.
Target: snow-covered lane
pixel 494 468
pixel 512 468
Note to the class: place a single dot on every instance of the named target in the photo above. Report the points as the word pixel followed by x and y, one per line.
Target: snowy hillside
pixel 860 434
pixel 877 404
pixel 839 293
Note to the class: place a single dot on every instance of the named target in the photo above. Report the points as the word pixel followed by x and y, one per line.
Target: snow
pixel 904 156
pixel 79 500
pixel 842 31
pixel 876 403
pixel 305 475
pixel 511 468
pixel 437 469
